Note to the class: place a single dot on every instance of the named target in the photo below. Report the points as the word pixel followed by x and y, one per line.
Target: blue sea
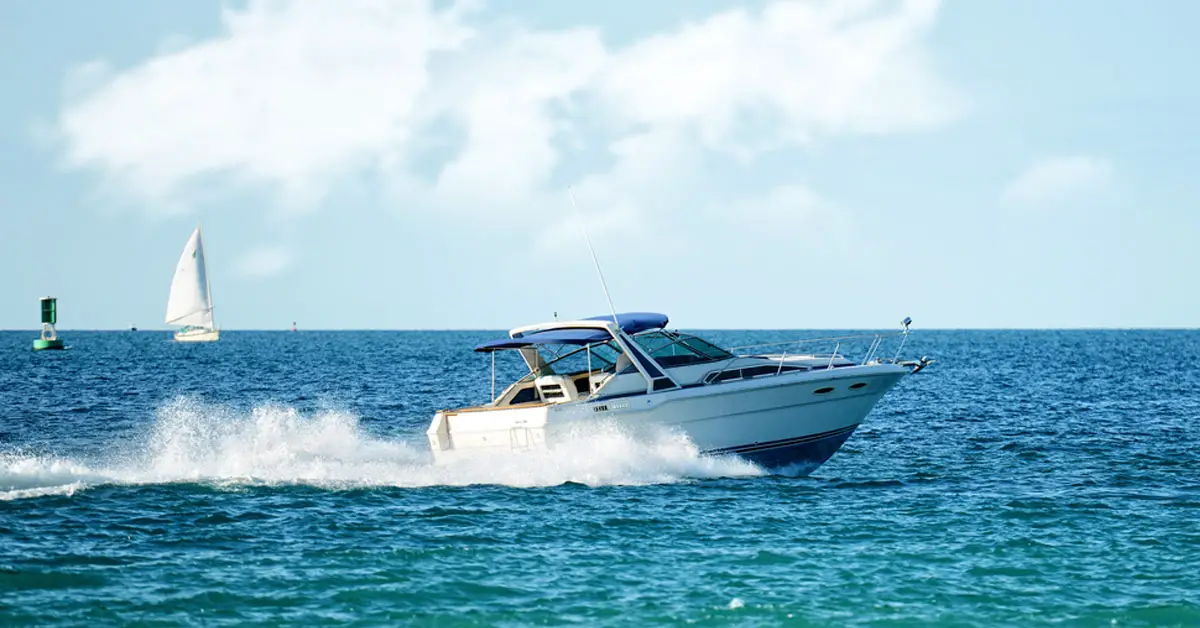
pixel 1026 478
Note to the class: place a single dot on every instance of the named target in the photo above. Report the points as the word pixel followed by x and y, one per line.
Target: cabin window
pixel 752 371
pixel 822 391
pixel 766 369
pixel 857 385
pixel 525 395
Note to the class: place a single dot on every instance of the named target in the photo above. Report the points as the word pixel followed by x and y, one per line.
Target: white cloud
pixel 295 96
pixel 292 94
pixel 810 68
pixel 264 262
pixel 1058 180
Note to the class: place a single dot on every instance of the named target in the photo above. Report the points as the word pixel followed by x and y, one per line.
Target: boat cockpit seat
pixel 556 388
pixel 599 379
pixel 623 362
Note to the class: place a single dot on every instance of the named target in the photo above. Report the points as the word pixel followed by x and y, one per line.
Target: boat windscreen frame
pixel 538 365
pixel 657 379
pixel 546 366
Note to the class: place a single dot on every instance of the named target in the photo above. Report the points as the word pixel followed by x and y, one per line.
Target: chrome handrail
pixel 827 339
pixel 872 351
pixel 834 356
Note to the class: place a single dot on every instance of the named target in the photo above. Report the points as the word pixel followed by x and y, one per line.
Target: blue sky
pixel 994 163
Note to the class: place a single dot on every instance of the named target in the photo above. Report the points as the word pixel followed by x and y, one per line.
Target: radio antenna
pixel 603 284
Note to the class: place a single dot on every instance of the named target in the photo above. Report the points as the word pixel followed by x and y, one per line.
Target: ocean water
pixel 1026 478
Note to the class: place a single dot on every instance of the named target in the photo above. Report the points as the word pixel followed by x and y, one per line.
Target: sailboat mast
pixel 207 283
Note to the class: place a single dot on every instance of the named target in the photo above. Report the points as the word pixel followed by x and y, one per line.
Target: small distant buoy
pixel 49 339
pixel 133 328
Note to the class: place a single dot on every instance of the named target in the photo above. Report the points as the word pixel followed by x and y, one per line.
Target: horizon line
pixel 126 330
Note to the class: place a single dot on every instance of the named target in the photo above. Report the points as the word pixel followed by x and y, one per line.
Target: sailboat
pixel 190 302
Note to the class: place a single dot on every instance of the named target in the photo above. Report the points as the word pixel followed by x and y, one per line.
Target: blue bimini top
pixel 630 323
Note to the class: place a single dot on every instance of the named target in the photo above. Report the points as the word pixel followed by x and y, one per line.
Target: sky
pixel 768 164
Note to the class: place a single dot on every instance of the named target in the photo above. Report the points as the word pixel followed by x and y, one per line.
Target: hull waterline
pixel 793 456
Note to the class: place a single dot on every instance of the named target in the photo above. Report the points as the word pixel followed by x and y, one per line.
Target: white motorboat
pixel 190 301
pixel 777 410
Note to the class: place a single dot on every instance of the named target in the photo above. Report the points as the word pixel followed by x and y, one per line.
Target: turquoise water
pixel 1026 478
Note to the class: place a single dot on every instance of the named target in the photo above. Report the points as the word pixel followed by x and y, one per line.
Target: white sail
pixel 190 302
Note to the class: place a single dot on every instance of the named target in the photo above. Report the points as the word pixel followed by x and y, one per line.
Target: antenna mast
pixel 603 284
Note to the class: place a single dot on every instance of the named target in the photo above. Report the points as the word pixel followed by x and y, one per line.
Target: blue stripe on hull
pixel 798 456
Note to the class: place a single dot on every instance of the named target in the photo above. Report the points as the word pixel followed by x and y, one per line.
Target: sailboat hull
pixel 197 335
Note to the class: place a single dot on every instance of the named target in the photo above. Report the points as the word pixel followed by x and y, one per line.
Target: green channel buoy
pixel 49 339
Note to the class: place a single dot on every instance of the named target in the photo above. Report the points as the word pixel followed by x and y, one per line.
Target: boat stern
pixel 486 429
pixel 439 434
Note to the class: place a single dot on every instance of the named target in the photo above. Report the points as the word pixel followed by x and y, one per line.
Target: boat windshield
pixel 675 349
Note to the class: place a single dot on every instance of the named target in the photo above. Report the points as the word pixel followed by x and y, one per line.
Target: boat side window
pixel 606 352
pixel 573 360
pixel 525 395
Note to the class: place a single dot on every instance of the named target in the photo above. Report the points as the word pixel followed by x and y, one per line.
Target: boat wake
pixel 192 441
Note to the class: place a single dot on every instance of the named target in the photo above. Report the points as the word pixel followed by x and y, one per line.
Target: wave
pixel 192 441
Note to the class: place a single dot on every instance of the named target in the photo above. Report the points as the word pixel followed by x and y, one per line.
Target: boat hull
pixel 798 456
pixel 789 422
pixel 198 335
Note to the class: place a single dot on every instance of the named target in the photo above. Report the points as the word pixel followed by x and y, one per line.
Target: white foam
pixel 193 441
